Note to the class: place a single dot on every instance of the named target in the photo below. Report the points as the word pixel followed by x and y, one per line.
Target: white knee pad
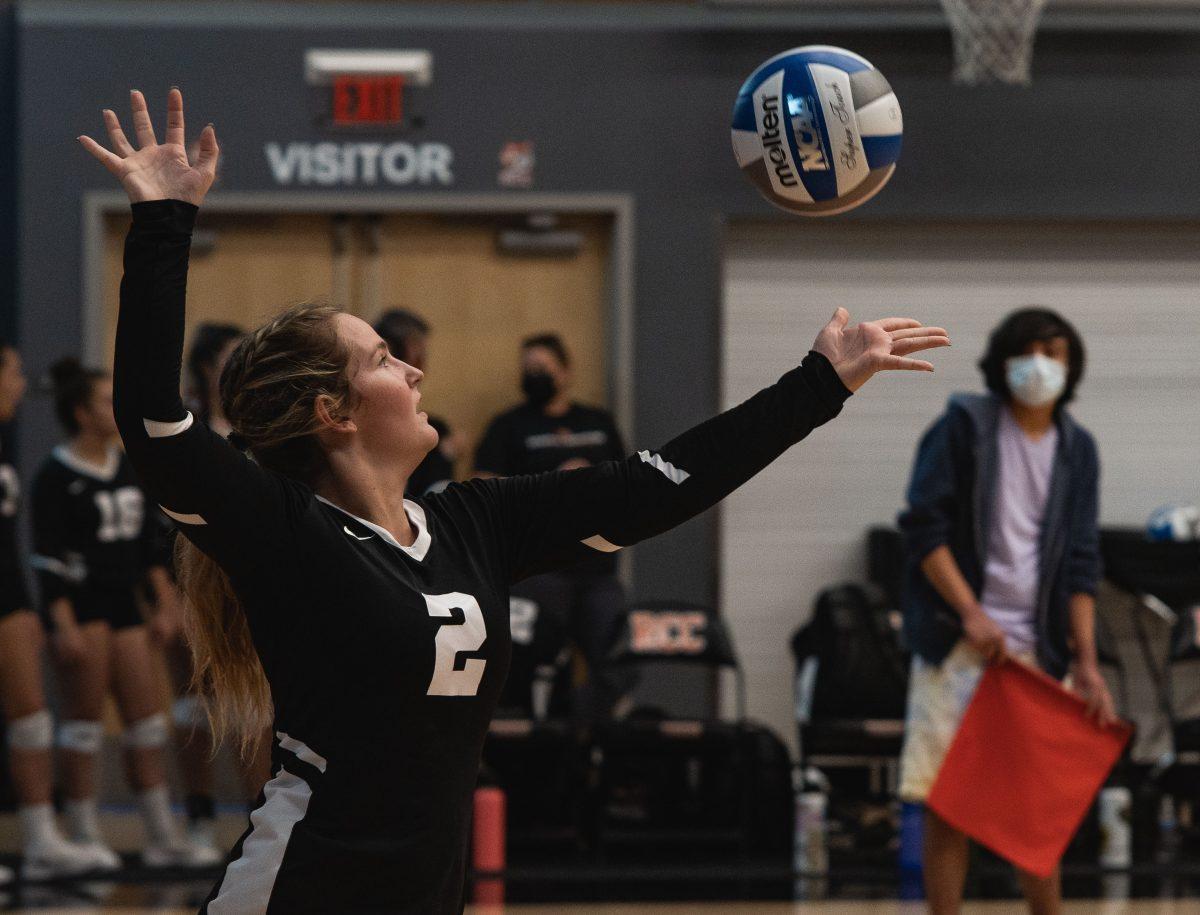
pixel 152 731
pixel 188 713
pixel 32 732
pixel 80 736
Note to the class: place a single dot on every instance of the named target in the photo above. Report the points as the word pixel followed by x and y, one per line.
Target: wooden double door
pixel 479 301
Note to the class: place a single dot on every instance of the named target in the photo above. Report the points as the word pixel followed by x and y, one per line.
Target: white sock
pixel 156 814
pixel 83 820
pixel 38 826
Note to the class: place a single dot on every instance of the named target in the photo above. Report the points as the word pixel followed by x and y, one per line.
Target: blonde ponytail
pixel 269 390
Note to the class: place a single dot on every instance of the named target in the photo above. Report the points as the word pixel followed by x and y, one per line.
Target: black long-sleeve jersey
pixel 13 594
pixel 93 539
pixel 385 661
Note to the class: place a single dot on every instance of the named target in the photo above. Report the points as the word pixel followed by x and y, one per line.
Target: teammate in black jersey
pixel 46 854
pixel 381 624
pixel 94 546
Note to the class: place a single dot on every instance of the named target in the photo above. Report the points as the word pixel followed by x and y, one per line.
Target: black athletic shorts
pixel 116 606
pixel 13 595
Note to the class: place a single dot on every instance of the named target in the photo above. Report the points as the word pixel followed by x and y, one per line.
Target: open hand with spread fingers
pixel 858 351
pixel 157 171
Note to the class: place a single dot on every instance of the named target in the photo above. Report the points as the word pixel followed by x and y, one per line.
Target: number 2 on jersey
pixel 453 639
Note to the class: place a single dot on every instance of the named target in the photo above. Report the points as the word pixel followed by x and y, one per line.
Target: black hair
pixel 1012 336
pixel 552 342
pixel 210 338
pixel 73 387
pixel 397 326
pixel 6 347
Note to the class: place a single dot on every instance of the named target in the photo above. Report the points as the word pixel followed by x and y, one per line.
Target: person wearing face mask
pixel 550 431
pixel 1002 561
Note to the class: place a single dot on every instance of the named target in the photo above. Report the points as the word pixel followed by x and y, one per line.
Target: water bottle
pixel 810 856
pixel 1116 834
pixel 1168 829
pixel 542 689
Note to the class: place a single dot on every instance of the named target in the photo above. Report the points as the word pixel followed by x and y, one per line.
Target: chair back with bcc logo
pixel 677 632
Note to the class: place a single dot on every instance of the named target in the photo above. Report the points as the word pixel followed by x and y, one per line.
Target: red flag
pixel 1024 767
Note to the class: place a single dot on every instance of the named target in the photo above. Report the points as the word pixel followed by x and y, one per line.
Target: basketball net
pixel 993 39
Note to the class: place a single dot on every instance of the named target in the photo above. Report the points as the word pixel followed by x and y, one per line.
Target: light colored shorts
pixel 938 696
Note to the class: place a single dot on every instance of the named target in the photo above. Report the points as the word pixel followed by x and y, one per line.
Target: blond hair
pixel 269 391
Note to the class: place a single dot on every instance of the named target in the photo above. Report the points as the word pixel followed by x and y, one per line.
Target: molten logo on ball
pixel 772 140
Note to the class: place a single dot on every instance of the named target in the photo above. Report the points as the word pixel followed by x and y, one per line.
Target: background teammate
pixel 95 545
pixel 30 727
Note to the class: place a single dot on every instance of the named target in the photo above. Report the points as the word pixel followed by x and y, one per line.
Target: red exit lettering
pixel 367 100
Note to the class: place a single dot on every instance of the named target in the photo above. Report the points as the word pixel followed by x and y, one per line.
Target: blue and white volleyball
pixel 818 130
pixel 1174 522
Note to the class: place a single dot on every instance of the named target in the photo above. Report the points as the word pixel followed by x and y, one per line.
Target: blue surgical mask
pixel 1035 380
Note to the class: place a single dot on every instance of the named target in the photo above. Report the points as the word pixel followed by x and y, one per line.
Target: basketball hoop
pixel 993 39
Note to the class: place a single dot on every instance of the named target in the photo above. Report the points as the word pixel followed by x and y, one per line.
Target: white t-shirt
pixel 1011 568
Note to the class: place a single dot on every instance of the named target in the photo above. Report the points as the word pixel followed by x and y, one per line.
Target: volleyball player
pixel 94 546
pixel 46 854
pixel 376 629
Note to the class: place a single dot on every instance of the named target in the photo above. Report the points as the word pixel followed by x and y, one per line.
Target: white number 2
pixel 453 639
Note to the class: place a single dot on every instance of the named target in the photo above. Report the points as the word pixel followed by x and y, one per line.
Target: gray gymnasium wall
pixel 8 177
pixel 616 99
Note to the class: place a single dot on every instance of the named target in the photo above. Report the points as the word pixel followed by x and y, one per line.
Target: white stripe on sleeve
pixel 182 518
pixel 596 542
pixel 303 751
pixel 156 429
pixel 667 469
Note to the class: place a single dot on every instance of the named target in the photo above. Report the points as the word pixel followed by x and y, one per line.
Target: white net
pixel 993 39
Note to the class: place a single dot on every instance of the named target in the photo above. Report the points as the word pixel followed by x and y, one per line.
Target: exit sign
pixel 367 100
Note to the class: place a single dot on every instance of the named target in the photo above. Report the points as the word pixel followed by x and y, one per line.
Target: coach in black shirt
pixel 549 431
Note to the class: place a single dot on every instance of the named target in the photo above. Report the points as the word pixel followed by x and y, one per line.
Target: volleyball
pixel 1174 522
pixel 818 130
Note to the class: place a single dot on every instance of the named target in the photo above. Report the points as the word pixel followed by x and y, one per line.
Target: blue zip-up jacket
pixel 950 499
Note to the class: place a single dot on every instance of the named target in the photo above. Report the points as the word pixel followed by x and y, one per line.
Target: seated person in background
pixel 1002 560
pixel 407 336
pixel 550 431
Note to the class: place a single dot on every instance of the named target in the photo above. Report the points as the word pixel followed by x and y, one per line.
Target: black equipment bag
pixel 861 664
pixel 683 784
pixel 1169 570
pixel 542 768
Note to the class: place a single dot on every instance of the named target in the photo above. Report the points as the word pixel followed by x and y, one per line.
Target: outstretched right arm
pixel 221 500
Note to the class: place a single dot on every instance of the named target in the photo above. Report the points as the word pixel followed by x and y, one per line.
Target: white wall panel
pixel 1133 291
